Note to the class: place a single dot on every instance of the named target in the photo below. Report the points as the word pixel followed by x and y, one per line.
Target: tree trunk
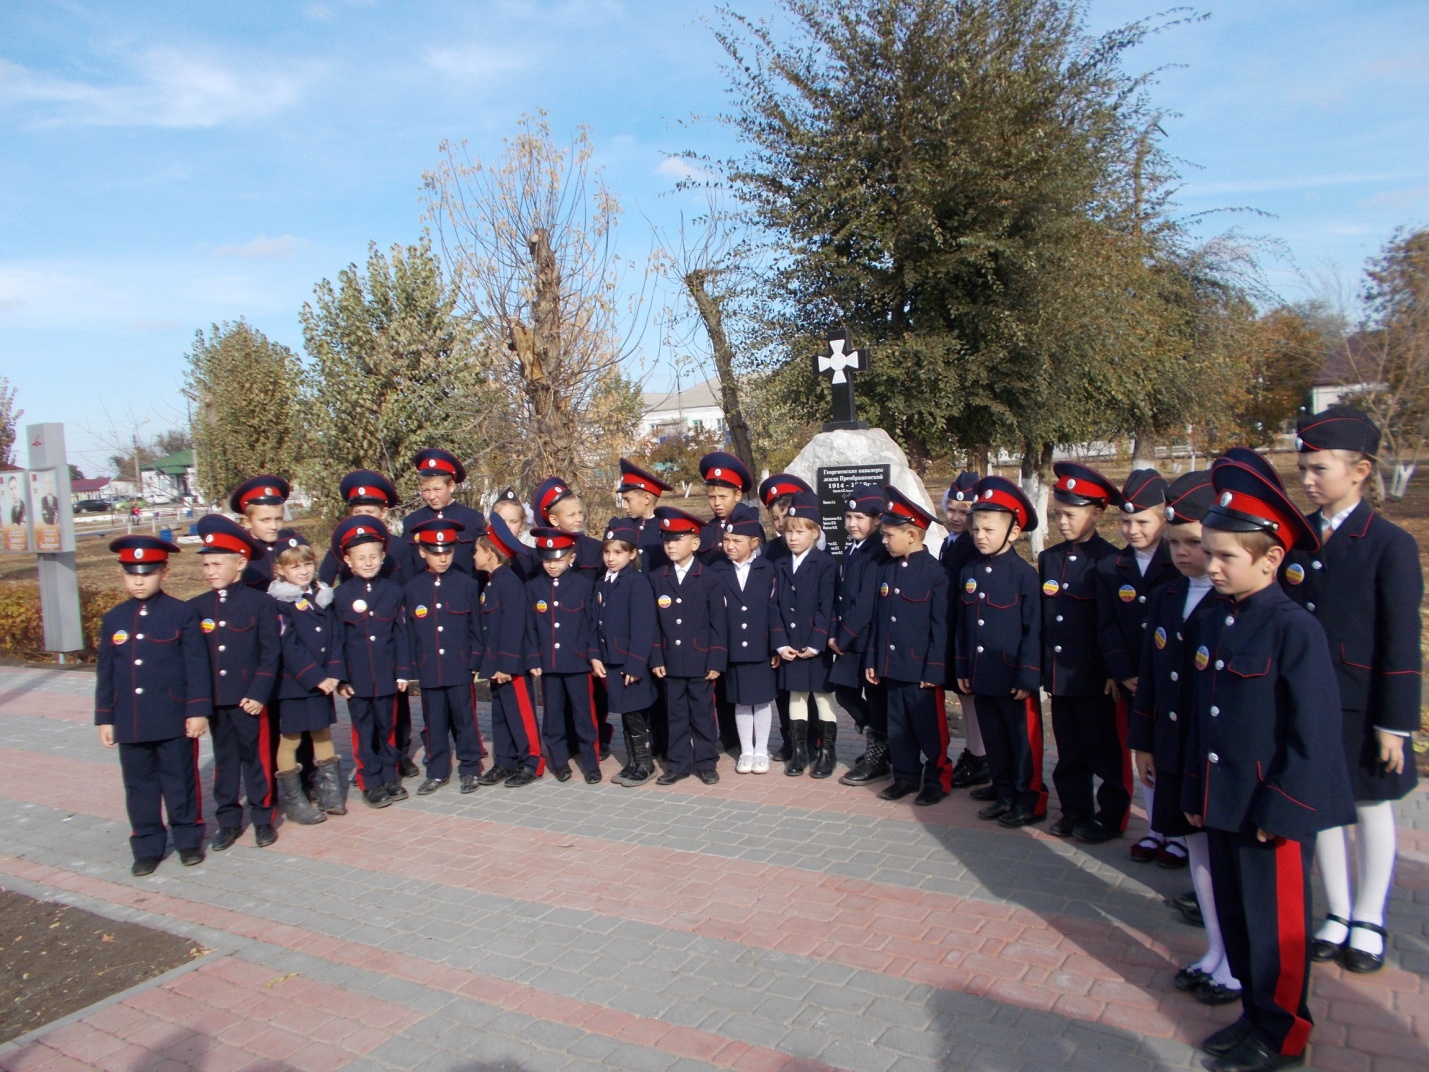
pixel 711 310
pixel 1400 483
pixel 1143 450
pixel 1036 479
pixel 539 348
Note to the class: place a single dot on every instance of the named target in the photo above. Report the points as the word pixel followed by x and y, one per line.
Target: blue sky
pixel 165 166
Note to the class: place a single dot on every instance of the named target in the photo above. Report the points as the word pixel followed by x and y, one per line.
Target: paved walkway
pixel 760 924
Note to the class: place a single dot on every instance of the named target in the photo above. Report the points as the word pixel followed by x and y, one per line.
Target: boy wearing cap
pixel 639 491
pixel 1125 582
pixel 689 601
pixel 775 493
pixel 999 649
pixel 1364 586
pixel 1256 779
pixel 371 656
pixel 727 481
pixel 854 605
pixel 1084 721
pixel 558 507
pixel 439 472
pixel 562 633
pixel 957 551
pixel 259 502
pixel 906 652
pixel 626 635
pixel 441 607
pixel 1161 715
pixel 240 626
pixel 152 699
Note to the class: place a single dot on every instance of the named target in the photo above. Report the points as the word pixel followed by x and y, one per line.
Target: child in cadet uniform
pixel 999 648
pixel 626 635
pixel 1084 719
pixel 639 491
pixel 854 606
pixel 512 510
pixel 558 507
pixel 805 581
pixel 1257 778
pixel 1125 582
pixel 245 655
pixel 259 502
pixel 727 481
pixel 152 699
pixel 1161 715
pixel 775 492
pixel 905 654
pixel 371 656
pixel 755 635
pixel 689 601
pixel 507 659
pixel 1365 587
pixel 439 472
pixel 441 607
pixel 305 694
pixel 562 634
pixel 957 551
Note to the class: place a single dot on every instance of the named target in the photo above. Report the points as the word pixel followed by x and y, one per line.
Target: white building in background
pixel 695 409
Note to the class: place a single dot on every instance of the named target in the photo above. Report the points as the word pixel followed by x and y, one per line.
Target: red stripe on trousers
pixel 1290 928
pixel 265 755
pixel 1128 778
pixel 941 763
pixel 527 711
pixel 392 737
pixel 198 790
pixel 594 717
pixel 1034 744
pixel 358 768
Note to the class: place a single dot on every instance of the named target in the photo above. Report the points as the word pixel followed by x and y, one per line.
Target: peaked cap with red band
pixel 962 489
pixel 674 523
pixel 1251 459
pixel 500 534
pixel 898 509
pixel 1247 502
pixel 1081 485
pixel 623 528
pixel 866 499
pixel 223 536
pixel 1189 497
pixel 634 478
pixel 553 543
pixel 1145 489
pixel 744 520
pixel 999 493
pixel 1337 428
pixel 142 554
pixel 437 462
pixel 552 490
pixel 779 485
pixel 804 504
pixel 364 486
pixel 354 531
pixel 725 470
pixel 441 533
pixel 259 491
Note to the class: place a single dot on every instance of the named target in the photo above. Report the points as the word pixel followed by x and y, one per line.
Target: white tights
pixel 799 706
pixel 1214 961
pixel 1375 850
pixel 753 721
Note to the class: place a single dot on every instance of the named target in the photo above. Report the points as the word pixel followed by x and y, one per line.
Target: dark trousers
pixel 402 738
pixel 916 725
pixel 374 739
pixel 569 700
pixel 162 776
pixel 1012 731
pixel 1090 746
pixel 450 712
pixel 1263 902
pixel 728 730
pixel 855 703
pixel 694 726
pixel 513 726
pixel 243 751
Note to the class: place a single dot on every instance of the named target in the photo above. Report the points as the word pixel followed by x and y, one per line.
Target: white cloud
pixel 678 167
pixel 264 248
pixel 474 62
pixel 164 87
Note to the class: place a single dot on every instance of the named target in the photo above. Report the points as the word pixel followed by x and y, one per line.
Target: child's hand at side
pixel 106 736
pixel 328 685
pixel 597 668
pixel 401 685
pixel 788 654
pixel 196 727
pixel 250 707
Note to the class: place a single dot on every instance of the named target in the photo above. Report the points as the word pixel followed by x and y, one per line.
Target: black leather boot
pixel 970 770
pixel 642 761
pixel 873 767
pixel 825 760
pixel 330 786
pixel 799 756
pixel 294 801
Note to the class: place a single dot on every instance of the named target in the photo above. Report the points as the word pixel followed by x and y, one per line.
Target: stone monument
pixel 848 452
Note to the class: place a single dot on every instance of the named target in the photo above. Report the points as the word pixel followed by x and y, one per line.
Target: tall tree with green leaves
pixel 247 408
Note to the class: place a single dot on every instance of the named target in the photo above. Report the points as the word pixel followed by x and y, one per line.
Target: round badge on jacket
pixel 665 602
pixel 1295 573
pixel 1160 636
pixel 120 637
pixel 208 625
pixel 542 606
pixel 1127 593
pixel 421 610
pixel 1203 657
pixel 1049 588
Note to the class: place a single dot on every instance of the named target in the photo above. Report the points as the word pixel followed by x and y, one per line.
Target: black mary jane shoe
pixel 144 865
pixel 1213 993
pixel 1185 900
pixel 1323 951
pixel 1189 978
pixel 1357 960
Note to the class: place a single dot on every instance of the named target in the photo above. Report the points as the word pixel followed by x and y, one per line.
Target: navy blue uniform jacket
pixel 153 670
pixel 754 629
pixel 464 557
pixel 692 620
pixel 561 624
pixel 371 650
pixel 505 633
pixel 306 630
pixel 590 557
pixel 1122 594
pixel 806 599
pixel 627 636
pixel 244 649
pixel 1164 707
pixel 910 624
pixel 650 544
pixel 445 638
pixel 999 626
pixel 1072 663
pixel 1267 707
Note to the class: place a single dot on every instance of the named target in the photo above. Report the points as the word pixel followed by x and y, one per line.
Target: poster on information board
pixel 45 512
pixel 14 512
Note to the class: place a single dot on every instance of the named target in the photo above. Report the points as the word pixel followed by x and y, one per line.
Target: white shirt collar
pixel 1330 523
pixel 680 571
pixel 1143 559
pixel 798 560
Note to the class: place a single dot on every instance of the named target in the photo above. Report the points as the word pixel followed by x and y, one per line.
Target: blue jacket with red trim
pixel 371 650
pixel 153 670
pixel 1259 754
pixel 910 624
pixel 306 631
pixel 999 626
pixel 561 622
pixel 1072 663
pixel 240 625
pixel 692 620
pixel 505 633
pixel 445 638
pixel 1122 595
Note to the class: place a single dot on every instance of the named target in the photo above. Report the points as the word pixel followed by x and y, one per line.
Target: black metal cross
pixel 838 361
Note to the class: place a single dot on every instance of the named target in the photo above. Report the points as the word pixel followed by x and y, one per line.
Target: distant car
pixel 91 506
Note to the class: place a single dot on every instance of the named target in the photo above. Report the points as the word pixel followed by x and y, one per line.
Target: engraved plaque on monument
pixel 835 484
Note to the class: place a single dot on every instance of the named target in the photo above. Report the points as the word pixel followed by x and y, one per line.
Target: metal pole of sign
pixel 53 521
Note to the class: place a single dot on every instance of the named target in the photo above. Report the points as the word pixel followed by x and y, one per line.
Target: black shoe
pixel 264 835
pixel 1210 993
pixel 592 777
pixel 1253 1055
pixel 709 777
pixel 1357 960
pixel 191 857
pixel 928 796
pixel 494 775
pixel 225 838
pixel 1227 1038
pixel 144 865
pixel 431 785
pixel 995 810
pixel 898 790
pixel 826 758
pixel 799 753
pixel 1093 832
pixel 983 793
pixel 469 783
pixel 1066 826
pixel 562 771
pixel 1192 915
pixel 1189 978
pixel 1185 900
pixel 1020 817
pixel 395 791
pixel 970 770
pixel 1323 951
pixel 636 775
pixel 406 768
pixel 670 777
pixel 525 776
pixel 377 797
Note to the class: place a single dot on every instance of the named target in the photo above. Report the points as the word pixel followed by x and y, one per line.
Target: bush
pixel 22 631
